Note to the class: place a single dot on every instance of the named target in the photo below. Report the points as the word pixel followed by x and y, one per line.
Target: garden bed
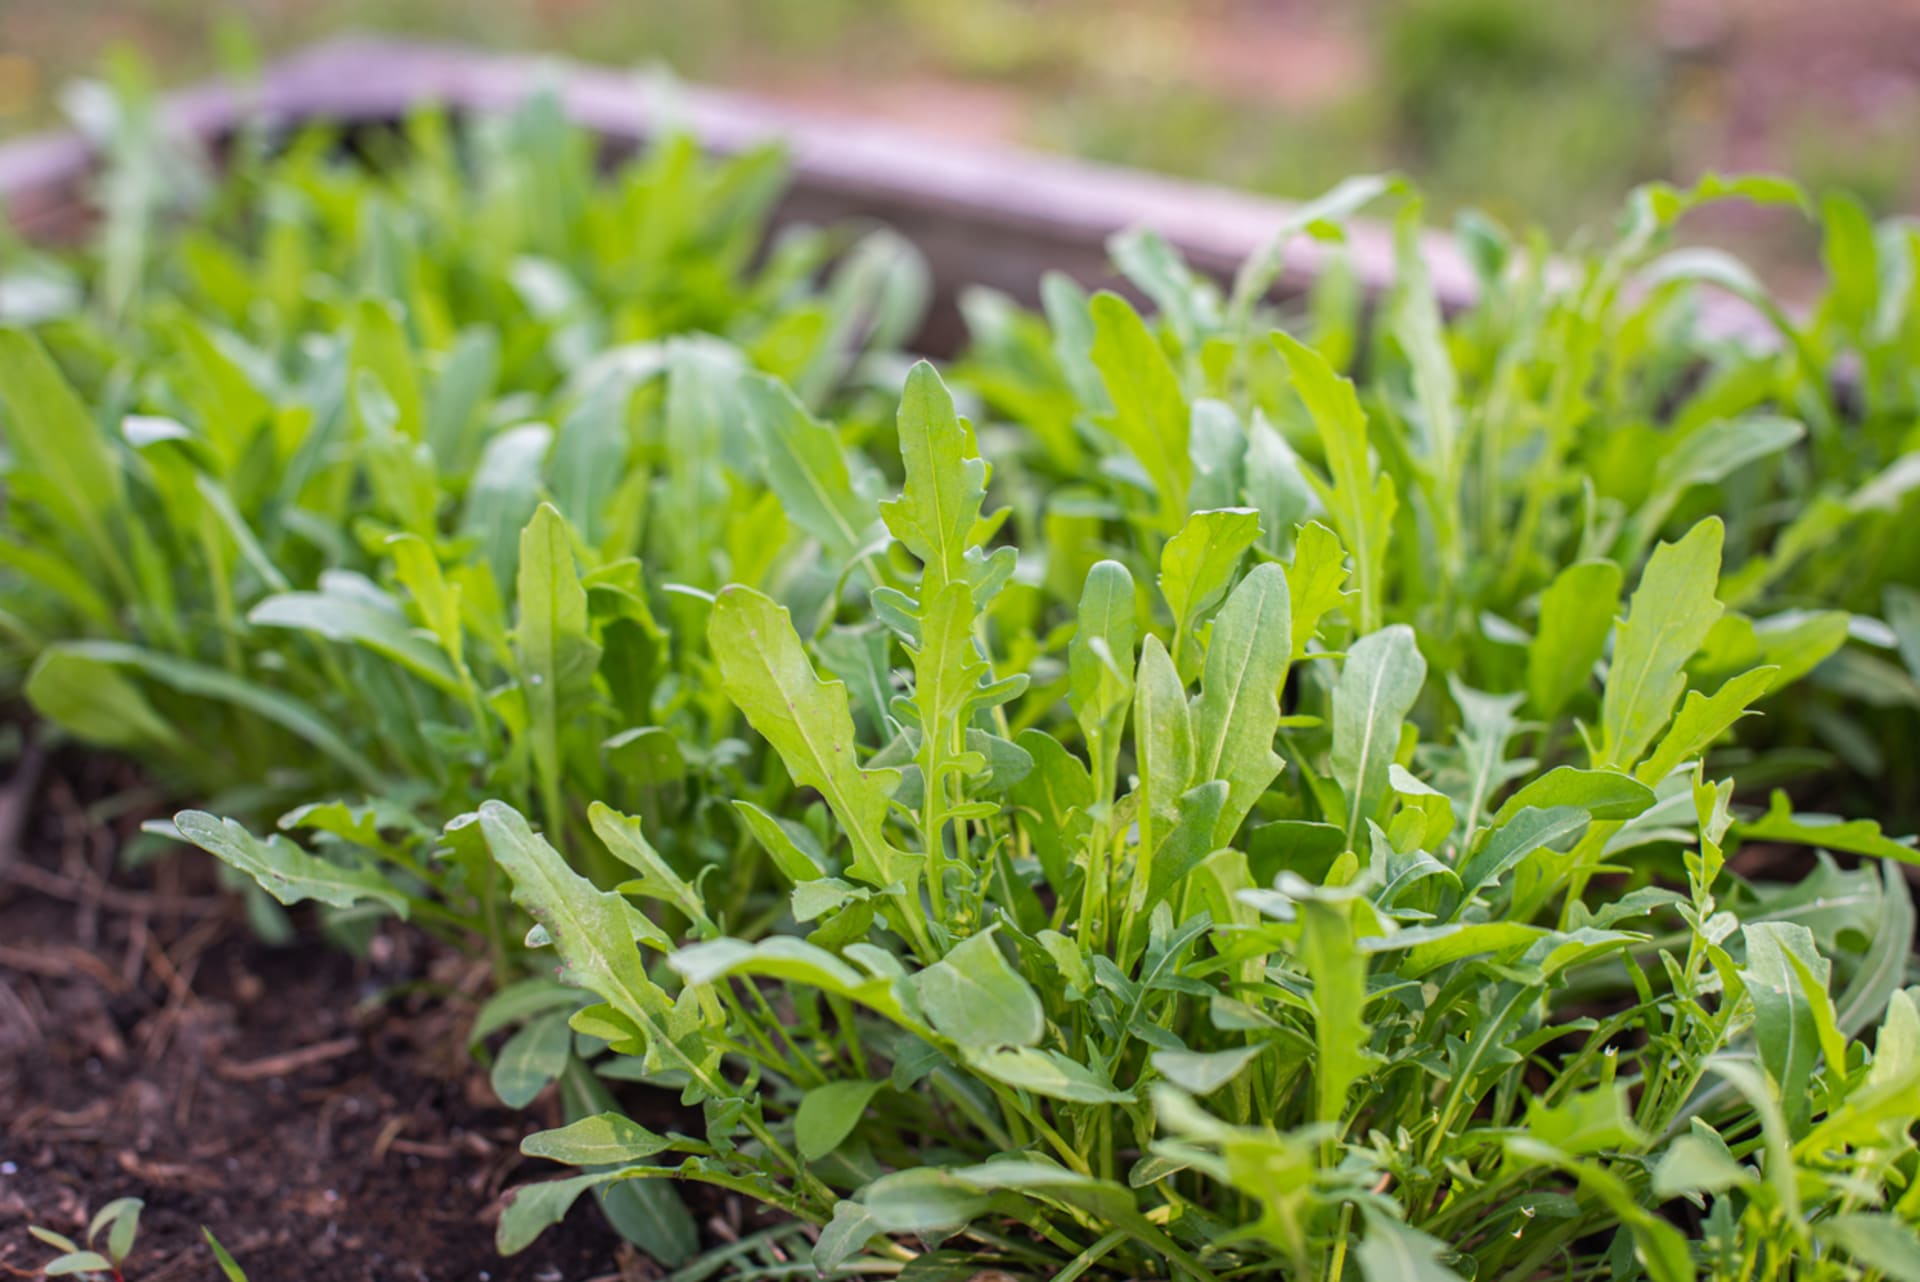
pixel 1341 878
pixel 153 1045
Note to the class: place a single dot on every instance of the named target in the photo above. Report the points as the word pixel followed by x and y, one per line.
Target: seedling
pixel 119 1220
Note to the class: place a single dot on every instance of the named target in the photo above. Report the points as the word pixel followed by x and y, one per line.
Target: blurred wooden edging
pixel 986 215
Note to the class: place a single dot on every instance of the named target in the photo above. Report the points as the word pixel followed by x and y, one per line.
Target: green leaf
pixel 1671 613
pixel 592 930
pixel 1854 837
pixel 535 1208
pixel 1331 956
pixel 53 438
pixel 1877 1111
pixel 356 620
pixel 1100 667
pixel 782 842
pixel 1315 581
pixel 701 417
pixel 1590 1121
pixel 532 1058
pixel 924 1200
pixel 519 1002
pixel 284 870
pixel 1576 613
pixel 1150 416
pixel 828 1114
pixel 846 1234
pixel 1237 712
pixel 1049 1073
pixel 1604 794
pixel 1527 831
pixel 1880 1242
pixel 1189 302
pixel 946 483
pixel 589 459
pixel 556 653
pixel 604 1139
pixel 657 880
pixel 1052 801
pixel 1702 719
pixel 228 1267
pixel 765 671
pixel 804 463
pixel 123 1214
pixel 978 1001
pixel 1393 1252
pixel 1471 940
pixel 1203 1072
pixel 88 697
pixel 78 1262
pixel 1198 563
pixel 381 349
pixel 792 961
pixel 1378 685
pixel 1699 1162
pixel 1786 1026
pixel 1163 743
pixel 1359 497
pixel 503 496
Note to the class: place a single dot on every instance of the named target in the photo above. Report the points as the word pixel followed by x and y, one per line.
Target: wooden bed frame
pixel 987 215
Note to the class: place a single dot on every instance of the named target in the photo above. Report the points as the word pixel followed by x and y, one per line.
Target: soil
pixel 322 1127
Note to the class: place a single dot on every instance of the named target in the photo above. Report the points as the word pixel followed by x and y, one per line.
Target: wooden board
pixel 988 215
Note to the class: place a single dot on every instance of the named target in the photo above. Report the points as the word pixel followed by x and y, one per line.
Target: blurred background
pixel 1539 111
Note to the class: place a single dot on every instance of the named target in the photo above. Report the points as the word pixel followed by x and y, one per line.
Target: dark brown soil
pixel 150 1046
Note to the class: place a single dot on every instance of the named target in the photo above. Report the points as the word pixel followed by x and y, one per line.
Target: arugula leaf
pixel 1378 685
pixel 1669 617
pixel 285 871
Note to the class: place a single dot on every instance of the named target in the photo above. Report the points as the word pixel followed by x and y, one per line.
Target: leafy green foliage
pixel 1154 806
pixel 1183 977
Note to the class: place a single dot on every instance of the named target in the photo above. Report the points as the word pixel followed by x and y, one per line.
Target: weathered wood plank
pixel 988 215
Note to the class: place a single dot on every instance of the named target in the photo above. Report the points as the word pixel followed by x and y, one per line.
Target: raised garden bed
pixel 267 1093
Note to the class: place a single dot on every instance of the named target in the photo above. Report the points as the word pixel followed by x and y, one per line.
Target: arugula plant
pixel 338 372
pixel 1524 453
pixel 118 1219
pixel 1239 969
pixel 1287 829
pixel 343 489
pixel 106 1257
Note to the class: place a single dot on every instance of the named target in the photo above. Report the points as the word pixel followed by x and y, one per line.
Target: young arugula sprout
pixel 118 1219
pixel 229 1269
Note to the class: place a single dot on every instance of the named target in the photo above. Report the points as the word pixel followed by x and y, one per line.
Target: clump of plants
pixel 112 1234
pixel 252 450
pixel 1233 969
pixel 1155 805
